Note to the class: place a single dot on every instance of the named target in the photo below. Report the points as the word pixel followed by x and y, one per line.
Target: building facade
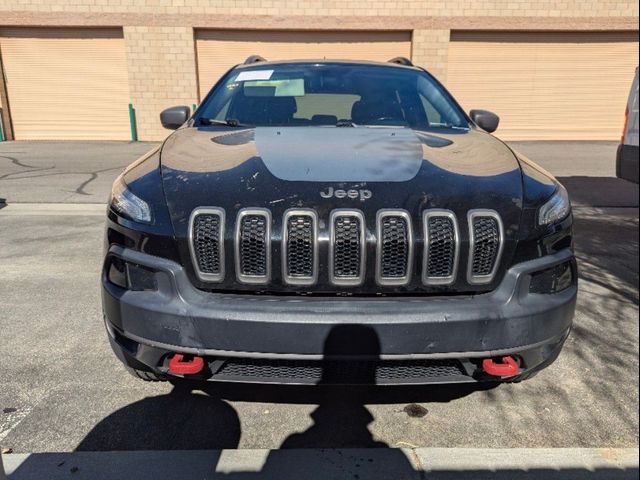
pixel 104 69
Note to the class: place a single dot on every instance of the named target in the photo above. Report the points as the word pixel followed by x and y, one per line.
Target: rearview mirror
pixel 486 120
pixel 174 117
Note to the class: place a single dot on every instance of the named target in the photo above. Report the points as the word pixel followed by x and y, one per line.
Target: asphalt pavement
pixel 65 172
pixel 62 390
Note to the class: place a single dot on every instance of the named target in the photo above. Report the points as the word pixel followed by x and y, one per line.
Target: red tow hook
pixel 508 367
pixel 178 365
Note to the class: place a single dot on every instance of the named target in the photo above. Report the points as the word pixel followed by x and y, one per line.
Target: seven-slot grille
pixel 347 246
pixel 485 247
pixel 441 247
pixel 207 245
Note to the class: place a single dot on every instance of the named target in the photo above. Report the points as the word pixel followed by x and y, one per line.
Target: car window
pixel 433 116
pixel 325 106
pixel 325 94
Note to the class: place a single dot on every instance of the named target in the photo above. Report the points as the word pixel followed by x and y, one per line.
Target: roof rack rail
pixel 401 61
pixel 254 59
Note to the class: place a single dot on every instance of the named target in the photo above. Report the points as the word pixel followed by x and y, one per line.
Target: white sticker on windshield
pixel 254 75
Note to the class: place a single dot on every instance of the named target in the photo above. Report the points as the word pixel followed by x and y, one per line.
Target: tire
pixel 146 376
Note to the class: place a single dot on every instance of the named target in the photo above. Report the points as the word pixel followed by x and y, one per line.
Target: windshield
pixel 330 95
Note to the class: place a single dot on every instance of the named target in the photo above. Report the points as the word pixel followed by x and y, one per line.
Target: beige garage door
pixel 546 86
pixel 66 84
pixel 220 50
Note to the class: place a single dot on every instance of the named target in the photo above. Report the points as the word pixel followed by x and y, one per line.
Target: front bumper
pixel 627 163
pixel 298 339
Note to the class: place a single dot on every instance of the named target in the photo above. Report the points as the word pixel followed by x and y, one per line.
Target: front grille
pixel 441 247
pixel 485 245
pixel 395 248
pixel 299 245
pixel 338 371
pixel 300 250
pixel 253 241
pixel 347 248
pixel 207 245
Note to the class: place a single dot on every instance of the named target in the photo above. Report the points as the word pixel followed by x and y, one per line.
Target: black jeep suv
pixel 336 222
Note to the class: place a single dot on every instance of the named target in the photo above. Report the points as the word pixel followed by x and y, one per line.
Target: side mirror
pixel 486 120
pixel 174 117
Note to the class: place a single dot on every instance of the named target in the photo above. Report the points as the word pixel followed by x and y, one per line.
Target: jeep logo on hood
pixel 362 194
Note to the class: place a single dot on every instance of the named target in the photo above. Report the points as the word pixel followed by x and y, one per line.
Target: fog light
pixel 552 280
pixel 141 278
pixel 117 272
pixel 131 276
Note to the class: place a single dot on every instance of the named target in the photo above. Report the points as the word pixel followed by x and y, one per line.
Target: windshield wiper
pixel 448 125
pixel 231 122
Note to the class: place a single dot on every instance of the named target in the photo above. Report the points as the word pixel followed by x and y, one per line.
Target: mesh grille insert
pixel 347 249
pixel 486 235
pixel 207 243
pixel 300 246
pixel 395 247
pixel 441 247
pixel 253 245
pixel 336 371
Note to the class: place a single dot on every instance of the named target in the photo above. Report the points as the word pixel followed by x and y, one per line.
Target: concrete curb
pixel 331 464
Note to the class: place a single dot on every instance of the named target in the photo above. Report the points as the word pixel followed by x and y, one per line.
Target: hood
pixel 286 167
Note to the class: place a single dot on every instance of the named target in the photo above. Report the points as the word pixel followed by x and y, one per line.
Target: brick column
pixel 430 50
pixel 162 73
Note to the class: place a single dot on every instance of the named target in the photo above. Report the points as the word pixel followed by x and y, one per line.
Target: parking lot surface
pixel 63 390
pixel 65 172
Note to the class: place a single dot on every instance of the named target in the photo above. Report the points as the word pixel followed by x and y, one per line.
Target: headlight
pixel 557 208
pixel 127 204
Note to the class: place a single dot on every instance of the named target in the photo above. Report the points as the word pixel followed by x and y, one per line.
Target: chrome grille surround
pixel 475 244
pixel 406 250
pixel 347 246
pixel 288 276
pixel 337 246
pixel 207 276
pixel 263 241
pixel 440 248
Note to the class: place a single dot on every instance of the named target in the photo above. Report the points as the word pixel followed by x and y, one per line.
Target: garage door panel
pixel 220 50
pixel 546 86
pixel 69 84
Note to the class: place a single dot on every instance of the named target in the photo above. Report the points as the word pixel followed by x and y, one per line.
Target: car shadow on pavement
pixel 184 419
pixel 196 415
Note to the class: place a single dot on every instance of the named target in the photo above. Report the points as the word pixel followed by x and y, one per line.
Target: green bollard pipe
pixel 1 131
pixel 132 123
pixel 193 109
